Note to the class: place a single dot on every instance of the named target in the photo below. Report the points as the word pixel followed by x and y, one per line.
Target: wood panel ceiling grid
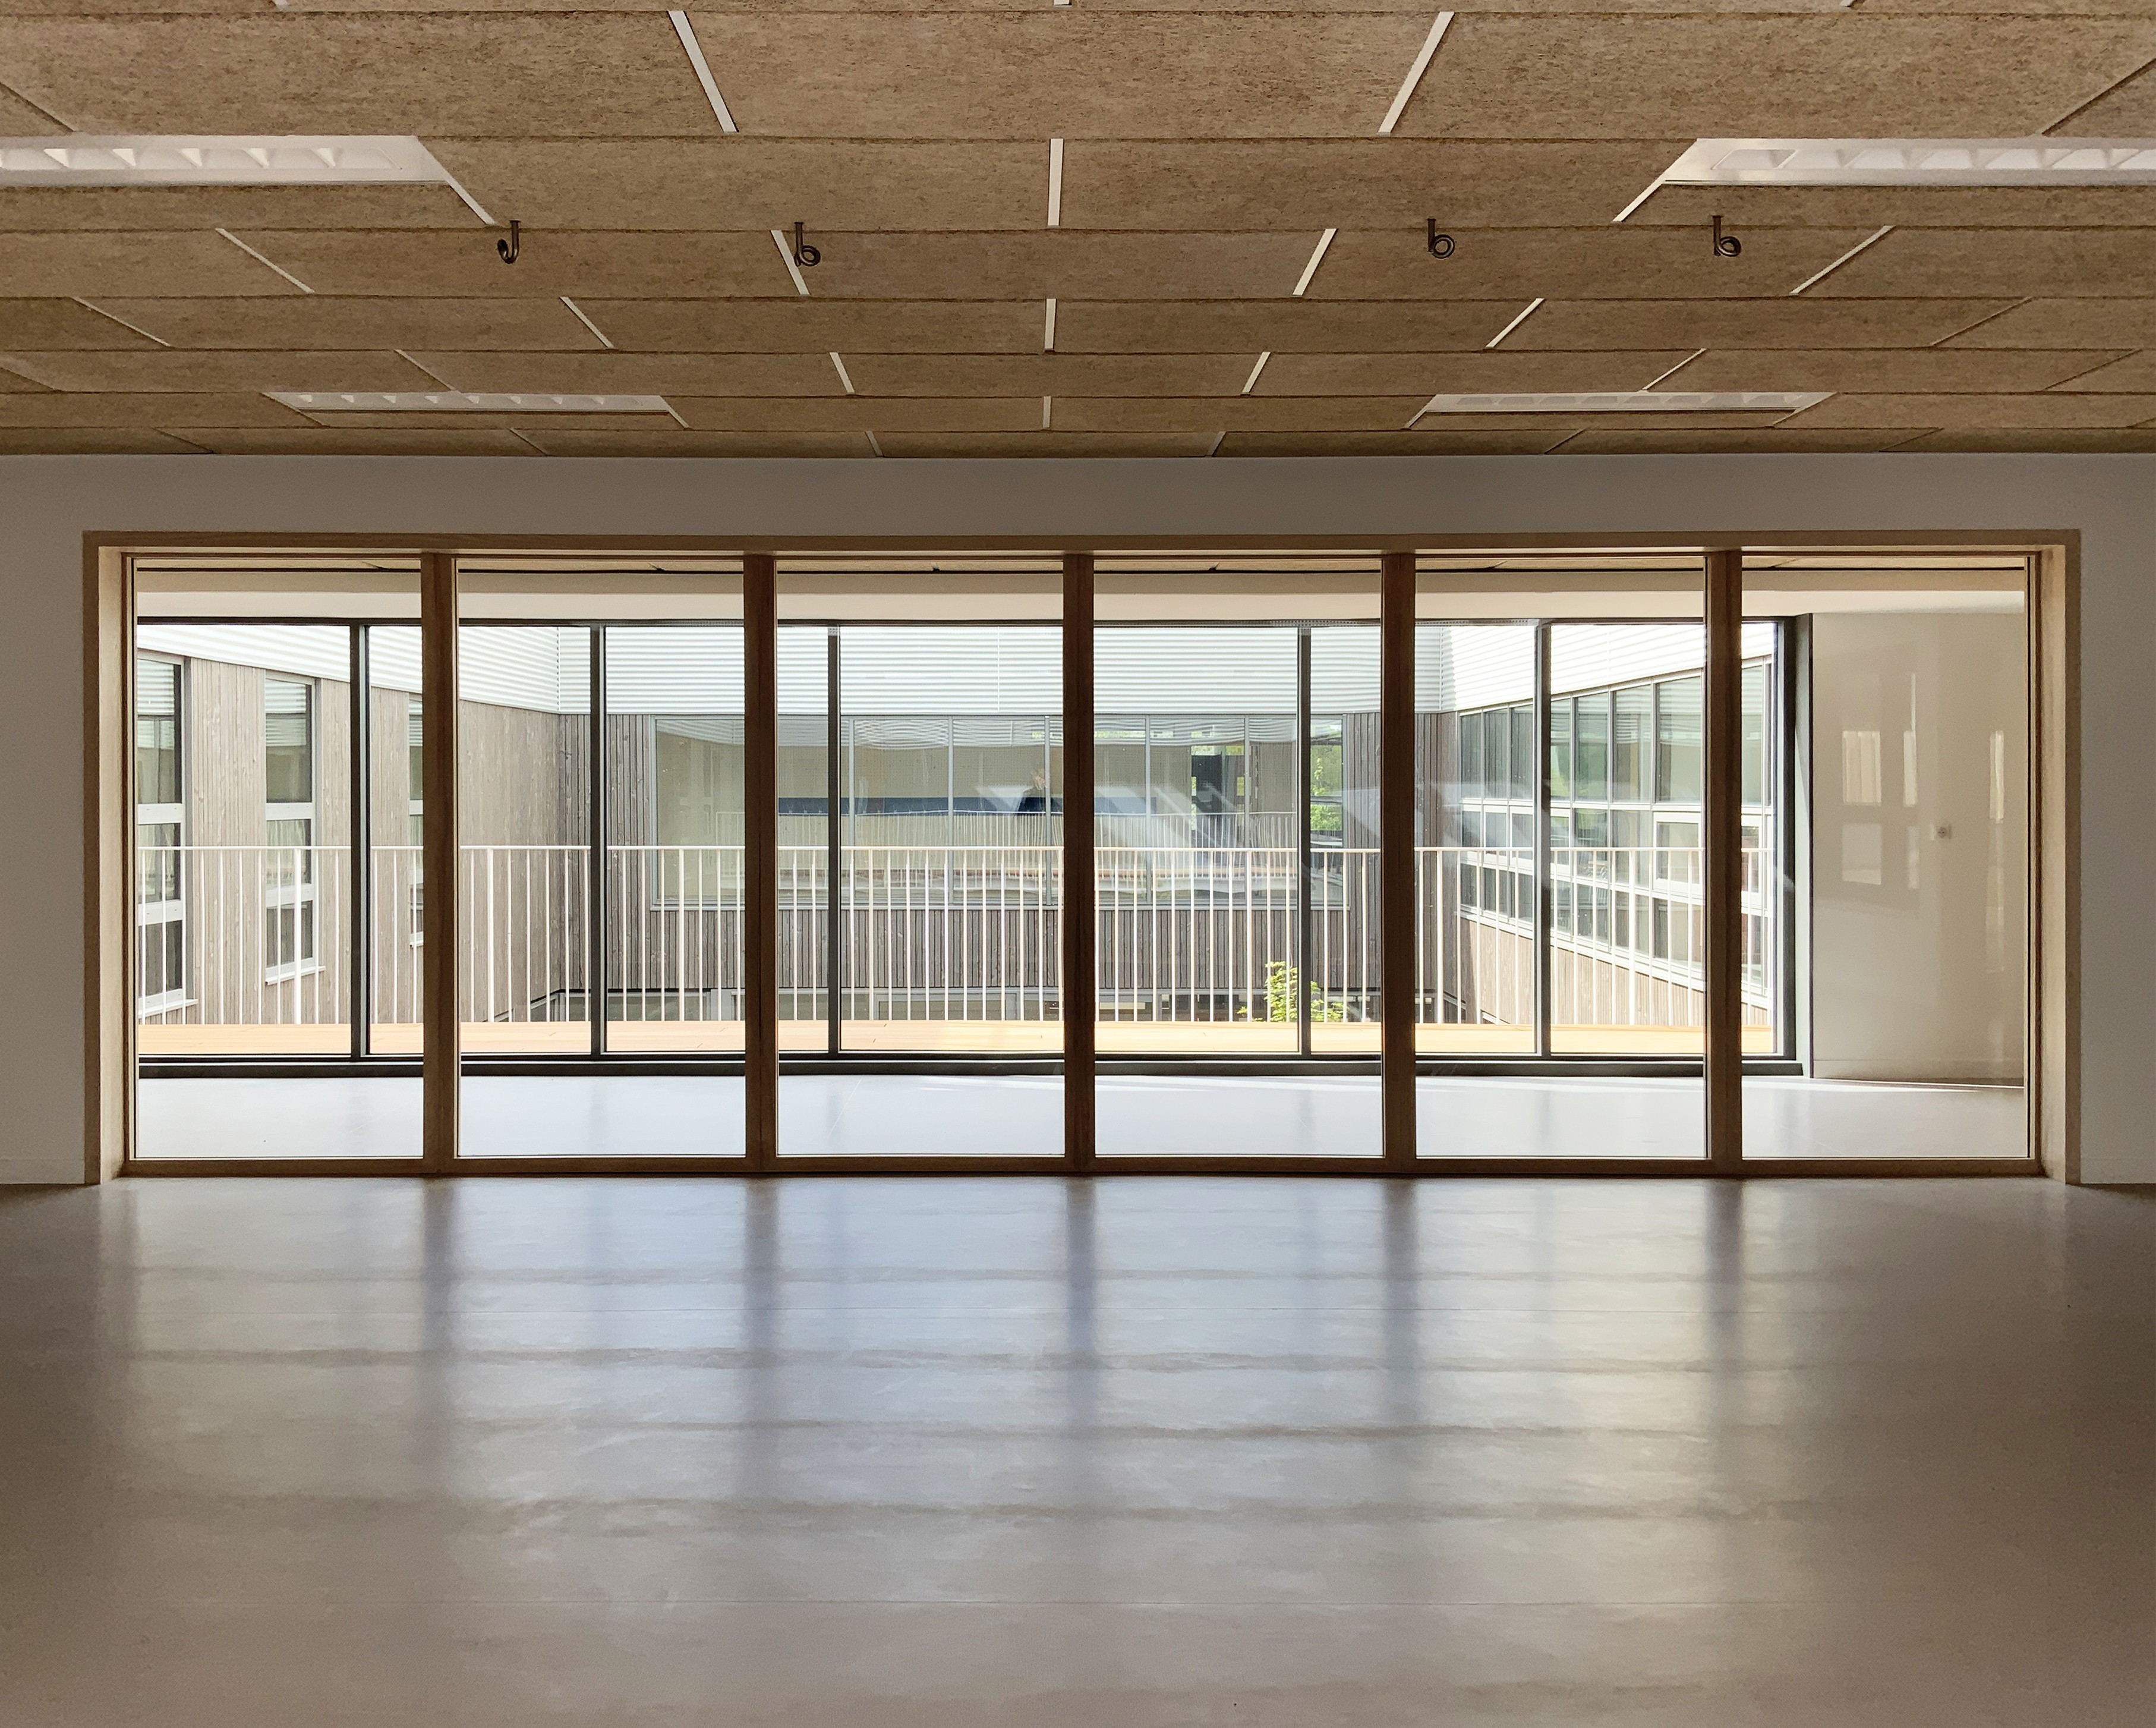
pixel 1212 153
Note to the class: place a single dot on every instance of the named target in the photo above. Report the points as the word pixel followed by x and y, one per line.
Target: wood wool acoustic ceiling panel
pixel 470 74
pixel 1226 255
pixel 1063 72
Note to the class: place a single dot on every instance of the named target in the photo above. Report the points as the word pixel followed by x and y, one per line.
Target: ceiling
pixel 1208 147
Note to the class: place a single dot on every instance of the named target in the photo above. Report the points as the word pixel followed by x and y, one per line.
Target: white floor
pixel 914 1115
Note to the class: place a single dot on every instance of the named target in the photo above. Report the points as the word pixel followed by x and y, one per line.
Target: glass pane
pixel 947 932
pixel 1345 952
pixel 246 891
pixel 1908 713
pixel 1218 949
pixel 641 941
pixel 243 840
pixel 1196 838
pixel 953 819
pixel 1627 921
pixel 524 822
pixel 676 815
pixel 1545 927
pixel 804 802
pixel 1474 986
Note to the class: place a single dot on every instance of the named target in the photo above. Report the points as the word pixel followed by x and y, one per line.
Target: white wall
pixel 47 503
pixel 1919 753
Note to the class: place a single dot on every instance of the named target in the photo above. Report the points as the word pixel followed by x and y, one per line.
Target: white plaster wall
pixel 1920 867
pixel 47 503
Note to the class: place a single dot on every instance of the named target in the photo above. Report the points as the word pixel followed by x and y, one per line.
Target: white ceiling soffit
pixel 462 402
pixel 1908 162
pixel 1628 402
pixel 83 159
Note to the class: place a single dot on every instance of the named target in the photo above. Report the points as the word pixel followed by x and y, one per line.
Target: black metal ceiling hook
pixel 805 254
pixel 1440 244
pixel 1725 245
pixel 514 244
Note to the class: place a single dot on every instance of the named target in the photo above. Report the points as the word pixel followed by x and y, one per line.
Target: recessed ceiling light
pixel 1908 162
pixel 462 402
pixel 1055 182
pixel 81 159
pixel 1628 402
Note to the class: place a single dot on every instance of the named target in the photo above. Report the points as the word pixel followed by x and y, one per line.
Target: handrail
pixel 933 932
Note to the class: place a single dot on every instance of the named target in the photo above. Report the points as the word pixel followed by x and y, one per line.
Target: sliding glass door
pixel 919 830
pixel 1236 845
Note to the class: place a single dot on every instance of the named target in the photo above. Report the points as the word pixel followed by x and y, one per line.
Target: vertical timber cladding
pixel 1723 863
pixel 1080 929
pixel 760 872
pixel 441 1029
pixel 1396 856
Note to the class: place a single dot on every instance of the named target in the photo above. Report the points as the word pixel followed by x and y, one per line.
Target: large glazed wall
pixel 48 503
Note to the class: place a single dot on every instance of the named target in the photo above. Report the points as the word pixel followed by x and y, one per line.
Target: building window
pixel 290 869
pixel 1678 742
pixel 160 938
pixel 415 814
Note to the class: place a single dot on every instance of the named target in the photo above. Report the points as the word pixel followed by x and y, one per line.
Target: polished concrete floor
pixel 900 1115
pixel 967 1453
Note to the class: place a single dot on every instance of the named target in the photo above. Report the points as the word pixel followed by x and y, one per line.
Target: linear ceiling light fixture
pixel 1673 370
pixel 841 366
pixel 584 321
pixel 1780 402
pixel 83 159
pixel 1414 74
pixel 1048 331
pixel 695 49
pixel 1907 162
pixel 1250 382
pixel 463 402
pixel 260 259
pixel 1870 240
pixel 786 256
pixel 1522 317
pixel 1317 258
pixel 1055 182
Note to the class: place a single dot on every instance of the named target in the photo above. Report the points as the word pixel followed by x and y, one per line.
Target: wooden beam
pixel 441 1023
pixel 1723 863
pixel 1396 856
pixel 760 874
pixel 1076 988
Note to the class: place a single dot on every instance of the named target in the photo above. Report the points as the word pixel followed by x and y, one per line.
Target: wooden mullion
pixel 441 1025
pixel 760 870
pixel 1723 861
pixel 1396 853
pixel 1079 911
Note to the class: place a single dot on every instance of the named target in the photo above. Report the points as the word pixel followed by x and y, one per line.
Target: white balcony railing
pixel 1186 935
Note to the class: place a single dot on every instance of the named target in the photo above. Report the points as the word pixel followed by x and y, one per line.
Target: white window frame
pixel 301 897
pixel 158 915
